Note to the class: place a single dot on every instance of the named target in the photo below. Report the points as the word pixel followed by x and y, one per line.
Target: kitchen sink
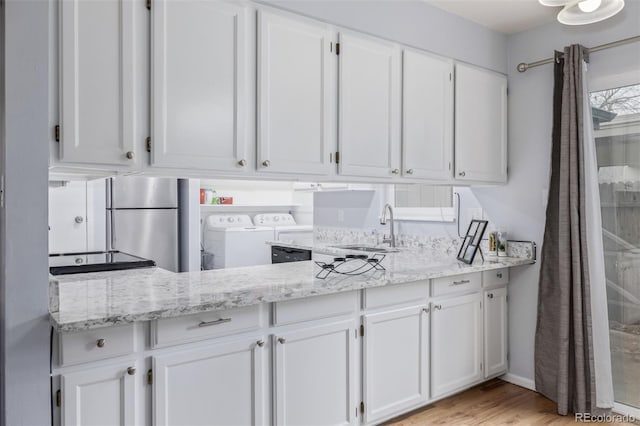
pixel 368 249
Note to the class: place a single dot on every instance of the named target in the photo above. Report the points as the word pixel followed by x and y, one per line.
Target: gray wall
pixel 520 206
pixel 24 275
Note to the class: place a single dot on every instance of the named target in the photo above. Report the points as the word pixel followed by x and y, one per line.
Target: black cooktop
pixel 95 261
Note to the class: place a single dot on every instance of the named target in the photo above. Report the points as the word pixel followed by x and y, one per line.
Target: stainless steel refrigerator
pixel 142 218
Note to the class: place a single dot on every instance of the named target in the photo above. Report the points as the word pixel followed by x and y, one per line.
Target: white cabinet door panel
pixel 296 95
pixel 369 107
pixel 97 82
pixel 480 125
pixel 495 331
pixel 396 361
pixel 315 375
pixel 427 116
pixel 220 385
pixel 200 83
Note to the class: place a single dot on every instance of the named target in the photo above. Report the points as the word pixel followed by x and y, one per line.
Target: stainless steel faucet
pixel 383 221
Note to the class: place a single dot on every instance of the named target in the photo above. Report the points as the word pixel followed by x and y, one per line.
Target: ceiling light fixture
pixel 583 12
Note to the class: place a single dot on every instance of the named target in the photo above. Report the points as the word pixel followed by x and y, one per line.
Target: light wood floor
pixel 492 403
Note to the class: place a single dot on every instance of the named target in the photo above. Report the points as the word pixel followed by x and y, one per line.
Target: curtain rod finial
pixel 522 67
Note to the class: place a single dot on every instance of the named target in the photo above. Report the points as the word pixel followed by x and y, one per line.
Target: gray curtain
pixel 564 368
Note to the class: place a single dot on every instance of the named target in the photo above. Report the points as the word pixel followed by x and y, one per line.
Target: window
pixel 421 202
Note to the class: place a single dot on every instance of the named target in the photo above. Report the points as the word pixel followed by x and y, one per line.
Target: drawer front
pixel 205 325
pixel 93 345
pixel 313 308
pixel 414 293
pixel 457 284
pixel 495 277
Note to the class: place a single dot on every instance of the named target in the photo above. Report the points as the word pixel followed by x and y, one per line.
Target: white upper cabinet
pixel 98 84
pixel 296 95
pixel 480 125
pixel 200 82
pixel 427 116
pixel 369 107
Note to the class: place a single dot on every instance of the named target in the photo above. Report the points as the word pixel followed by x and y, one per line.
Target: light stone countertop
pixel 93 300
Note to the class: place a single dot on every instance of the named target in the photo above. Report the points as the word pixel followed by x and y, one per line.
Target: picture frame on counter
pixel 471 243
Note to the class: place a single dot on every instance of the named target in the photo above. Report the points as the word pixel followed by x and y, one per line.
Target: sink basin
pixel 369 249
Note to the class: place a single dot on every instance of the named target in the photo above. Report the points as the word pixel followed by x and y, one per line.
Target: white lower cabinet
pixel 100 396
pixel 456 343
pixel 495 332
pixel 314 375
pixel 219 385
pixel 396 361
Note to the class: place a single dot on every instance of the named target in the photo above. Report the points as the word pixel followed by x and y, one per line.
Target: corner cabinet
pixel 99 98
pixel 480 125
pixel 296 98
pixel 369 105
pixel 200 79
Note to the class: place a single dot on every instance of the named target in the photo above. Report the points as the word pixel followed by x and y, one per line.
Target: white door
pixel 396 361
pixel 200 79
pixel 315 376
pixel 97 89
pixel 480 124
pixel 296 95
pixel 495 332
pixel 100 396
pixel 220 385
pixel 369 107
pixel 456 343
pixel 427 116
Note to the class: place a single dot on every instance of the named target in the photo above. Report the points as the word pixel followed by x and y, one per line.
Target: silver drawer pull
pixel 461 282
pixel 499 274
pixel 425 310
pixel 214 322
pixel 490 295
pixel 260 343
pixel 282 340
pixel 100 343
pixel 131 371
pixel 438 307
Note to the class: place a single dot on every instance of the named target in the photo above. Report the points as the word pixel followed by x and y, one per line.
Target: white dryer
pixel 235 241
pixel 284 226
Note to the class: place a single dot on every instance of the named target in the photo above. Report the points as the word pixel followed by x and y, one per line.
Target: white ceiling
pixel 505 16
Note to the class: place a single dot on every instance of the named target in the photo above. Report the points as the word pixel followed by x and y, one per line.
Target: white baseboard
pixel 519 381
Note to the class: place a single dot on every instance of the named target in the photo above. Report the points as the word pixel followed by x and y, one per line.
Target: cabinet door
pixel 315 376
pixel 200 81
pixel 495 331
pixel 99 396
pixel 480 125
pixel 97 87
pixel 220 385
pixel 396 361
pixel 427 116
pixel 369 107
pixel 296 98
pixel 456 343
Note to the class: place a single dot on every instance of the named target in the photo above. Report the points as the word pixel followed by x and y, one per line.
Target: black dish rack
pixel 351 264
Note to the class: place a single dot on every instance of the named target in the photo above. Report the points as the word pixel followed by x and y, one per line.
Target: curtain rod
pixel 522 66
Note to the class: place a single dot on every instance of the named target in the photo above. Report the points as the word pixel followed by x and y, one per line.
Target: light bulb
pixel 588 6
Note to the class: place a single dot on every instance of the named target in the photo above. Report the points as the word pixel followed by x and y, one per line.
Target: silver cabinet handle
pixel 130 155
pixel 214 322
pixel 260 343
pixel 461 282
pixel 490 295
pixel 79 219
pixel 426 310
pixel 395 171
pixel 463 174
pixel 242 163
pixel 499 274
pixel 100 343
pixel 266 163
pixel 410 171
pixel 131 371
pixel 282 340
pixel 438 307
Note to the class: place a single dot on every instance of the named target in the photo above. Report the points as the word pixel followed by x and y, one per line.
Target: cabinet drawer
pixel 312 308
pixel 416 293
pixel 93 345
pixel 495 277
pixel 205 325
pixel 456 284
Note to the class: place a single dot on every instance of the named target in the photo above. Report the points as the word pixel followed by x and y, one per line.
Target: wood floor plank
pixel 493 403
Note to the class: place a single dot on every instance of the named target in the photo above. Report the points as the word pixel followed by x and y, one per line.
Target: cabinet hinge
pixel 362 407
pixel 450 77
pixel 361 330
pixel 337 48
pixel 449 165
pixel 337 157
pixel 148 144
pixel 58 398
pixel 56 133
pixel 1 191
pixel 150 377
pixel 149 4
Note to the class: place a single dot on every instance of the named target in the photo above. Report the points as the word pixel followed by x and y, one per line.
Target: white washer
pixel 284 226
pixel 234 241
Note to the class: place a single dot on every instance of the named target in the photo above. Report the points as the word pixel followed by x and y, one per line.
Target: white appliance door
pixel 247 248
pixel 148 233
